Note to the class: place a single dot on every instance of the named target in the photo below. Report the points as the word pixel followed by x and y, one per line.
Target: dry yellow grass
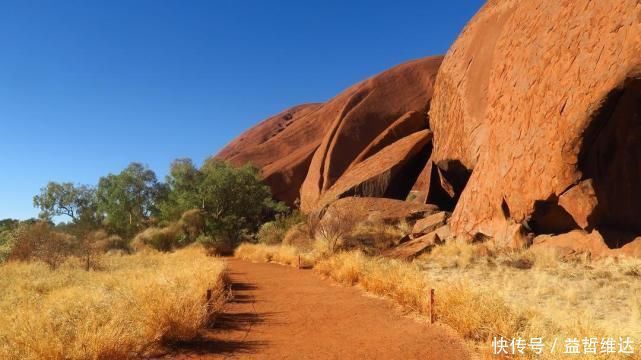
pixel 483 293
pixel 128 309
pixel 281 254
pixel 480 309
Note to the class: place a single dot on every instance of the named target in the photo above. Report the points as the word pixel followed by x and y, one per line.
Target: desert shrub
pixel 215 245
pixel 298 236
pixel 173 236
pixel 372 236
pixel 39 241
pixel 330 228
pixel 7 239
pixel 270 234
pixel 161 239
pixel 193 224
pixel 129 309
pixel 90 248
pixel 273 232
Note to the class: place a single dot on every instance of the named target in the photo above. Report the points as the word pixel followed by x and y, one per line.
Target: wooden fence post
pixel 432 311
pixel 298 262
pixel 209 299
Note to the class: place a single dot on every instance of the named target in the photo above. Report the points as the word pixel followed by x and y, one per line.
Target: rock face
pixel 541 101
pixel 282 147
pixel 303 151
pixel 375 114
pixel 387 210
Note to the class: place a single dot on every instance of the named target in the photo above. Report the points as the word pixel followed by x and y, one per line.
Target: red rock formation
pixel 281 147
pixel 407 124
pixel 387 210
pixel 537 96
pixel 384 174
pixel 347 130
pixel 373 114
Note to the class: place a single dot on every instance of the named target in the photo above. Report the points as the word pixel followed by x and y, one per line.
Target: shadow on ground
pixel 214 339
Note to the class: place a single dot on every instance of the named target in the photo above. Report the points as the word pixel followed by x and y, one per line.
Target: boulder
pixel 383 102
pixel 534 97
pixel 386 174
pixel 575 242
pixel 580 202
pixel 409 250
pixel 444 232
pixel 632 248
pixel 430 223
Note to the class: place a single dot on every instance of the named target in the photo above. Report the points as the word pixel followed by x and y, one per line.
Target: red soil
pixel 279 312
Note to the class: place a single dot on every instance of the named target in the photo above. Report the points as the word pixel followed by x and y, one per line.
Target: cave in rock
pixel 611 156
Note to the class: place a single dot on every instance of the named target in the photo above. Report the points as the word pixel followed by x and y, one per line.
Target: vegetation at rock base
pixel 481 292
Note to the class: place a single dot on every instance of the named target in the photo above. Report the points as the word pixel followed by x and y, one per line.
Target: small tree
pixel 129 199
pixel 183 184
pixel 235 201
pixel 77 202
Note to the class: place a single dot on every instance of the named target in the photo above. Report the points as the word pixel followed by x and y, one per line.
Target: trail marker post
pixel 432 312
pixel 209 299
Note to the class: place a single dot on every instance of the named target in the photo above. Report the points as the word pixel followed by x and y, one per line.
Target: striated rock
pixel 387 210
pixel 406 125
pixel 373 114
pixel 387 174
pixel 536 97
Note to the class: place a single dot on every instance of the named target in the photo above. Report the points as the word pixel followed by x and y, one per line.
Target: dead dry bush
pixel 331 228
pixel 40 242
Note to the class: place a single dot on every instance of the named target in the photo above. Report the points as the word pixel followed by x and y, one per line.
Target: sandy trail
pixel 280 312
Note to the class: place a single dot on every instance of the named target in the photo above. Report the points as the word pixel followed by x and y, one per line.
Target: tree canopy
pixel 128 199
pixel 229 203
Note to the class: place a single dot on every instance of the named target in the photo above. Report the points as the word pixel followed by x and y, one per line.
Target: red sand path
pixel 280 312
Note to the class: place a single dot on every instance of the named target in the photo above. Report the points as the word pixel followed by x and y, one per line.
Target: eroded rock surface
pixel 535 97
pixel 376 113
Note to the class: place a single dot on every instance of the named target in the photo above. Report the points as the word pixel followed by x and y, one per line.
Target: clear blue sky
pixel 87 87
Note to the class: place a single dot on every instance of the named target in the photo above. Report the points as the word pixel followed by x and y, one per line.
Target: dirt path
pixel 280 312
